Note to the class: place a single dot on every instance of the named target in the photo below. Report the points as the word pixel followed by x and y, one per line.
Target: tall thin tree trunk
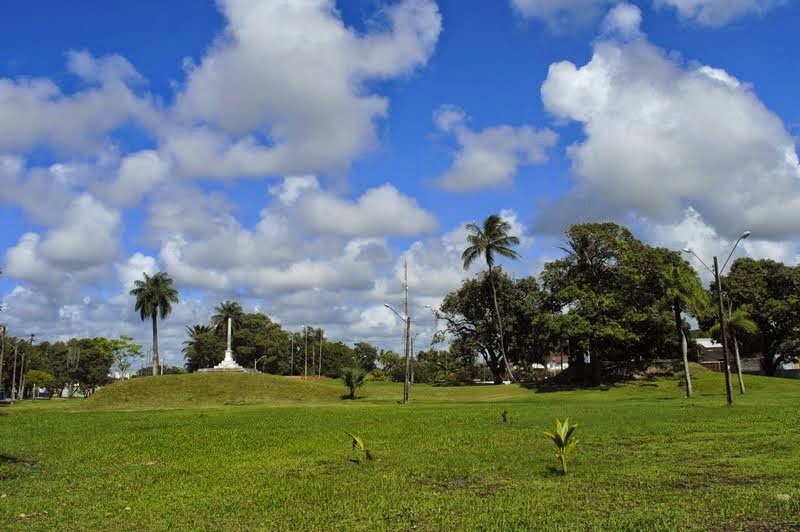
pixel 595 365
pixel 500 325
pixel 22 375
pixel 738 364
pixel 155 342
pixel 14 374
pixel 684 349
pixel 2 357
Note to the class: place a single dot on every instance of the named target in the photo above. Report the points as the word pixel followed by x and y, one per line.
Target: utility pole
pixel 724 332
pixel 22 369
pixel 407 340
pixel 2 357
pixel 291 368
pixel 305 361
pixel 14 374
pixel 320 354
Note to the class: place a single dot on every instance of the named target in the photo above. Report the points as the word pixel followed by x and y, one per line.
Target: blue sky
pixel 292 155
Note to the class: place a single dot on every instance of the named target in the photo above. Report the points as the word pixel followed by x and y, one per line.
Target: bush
pixel 353 378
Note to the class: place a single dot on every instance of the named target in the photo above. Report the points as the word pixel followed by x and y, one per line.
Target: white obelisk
pixel 228 362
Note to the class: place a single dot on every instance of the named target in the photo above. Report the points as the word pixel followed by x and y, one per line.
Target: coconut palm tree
pixel 739 322
pixel 225 310
pixel 194 333
pixel 154 296
pixel 486 241
pixel 683 292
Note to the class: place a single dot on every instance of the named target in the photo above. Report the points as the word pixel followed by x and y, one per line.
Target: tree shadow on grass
pixel 346 397
pixel 553 471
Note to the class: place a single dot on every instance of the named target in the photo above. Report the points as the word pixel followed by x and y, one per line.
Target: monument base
pixel 227 364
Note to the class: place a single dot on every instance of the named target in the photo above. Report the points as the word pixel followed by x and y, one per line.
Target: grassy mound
pixel 210 389
pixel 200 390
pixel 204 390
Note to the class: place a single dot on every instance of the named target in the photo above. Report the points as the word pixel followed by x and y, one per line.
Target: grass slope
pixel 648 459
pixel 226 389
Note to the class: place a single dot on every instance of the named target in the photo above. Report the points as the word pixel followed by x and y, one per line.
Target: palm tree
pixel 225 310
pixel 353 378
pixel 738 321
pixel 154 296
pixel 487 241
pixel 684 293
pixel 194 333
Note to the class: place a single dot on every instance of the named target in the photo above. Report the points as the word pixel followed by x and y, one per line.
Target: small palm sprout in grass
pixel 504 415
pixel 358 445
pixel 564 441
pixel 353 378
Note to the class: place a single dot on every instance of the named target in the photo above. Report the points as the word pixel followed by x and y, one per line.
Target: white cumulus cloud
pixel 560 15
pixel 293 72
pixel 660 135
pixel 719 12
pixel 379 211
pixel 492 156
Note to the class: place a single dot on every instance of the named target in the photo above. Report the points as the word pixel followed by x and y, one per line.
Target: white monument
pixel 228 363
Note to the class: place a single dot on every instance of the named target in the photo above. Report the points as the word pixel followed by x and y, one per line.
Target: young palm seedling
pixel 358 445
pixel 564 441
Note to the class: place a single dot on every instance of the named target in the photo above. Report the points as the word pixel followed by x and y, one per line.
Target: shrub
pixel 353 378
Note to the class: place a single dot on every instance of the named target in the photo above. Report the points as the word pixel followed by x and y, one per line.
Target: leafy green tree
pixel 335 356
pixel 36 377
pixel 154 295
pixel 391 366
pixel 189 345
pixel 610 287
pixel 203 349
pixel 223 311
pixel 93 363
pixel 770 291
pixel 684 292
pixel 124 352
pixel 486 241
pixel 443 366
pixel 366 355
pixel 474 329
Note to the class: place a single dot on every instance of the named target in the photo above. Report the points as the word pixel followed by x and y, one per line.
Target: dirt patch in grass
pixel 12 466
pixel 480 487
pixel 758 525
pixel 11 459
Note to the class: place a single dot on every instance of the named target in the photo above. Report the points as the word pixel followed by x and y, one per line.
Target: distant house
pixel 709 353
pixel 708 349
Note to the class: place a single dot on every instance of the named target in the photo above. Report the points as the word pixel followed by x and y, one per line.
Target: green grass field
pixel 238 452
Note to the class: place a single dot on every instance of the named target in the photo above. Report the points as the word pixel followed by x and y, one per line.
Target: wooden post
pixel 407 340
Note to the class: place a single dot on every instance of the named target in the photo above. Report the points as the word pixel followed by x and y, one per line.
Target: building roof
pixel 708 343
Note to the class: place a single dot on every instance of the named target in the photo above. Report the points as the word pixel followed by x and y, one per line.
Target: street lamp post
pixel 721 313
pixel 407 340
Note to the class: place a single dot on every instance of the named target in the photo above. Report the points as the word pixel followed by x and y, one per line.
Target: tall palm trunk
pixel 684 347
pixel 155 342
pixel 499 324
pixel 738 364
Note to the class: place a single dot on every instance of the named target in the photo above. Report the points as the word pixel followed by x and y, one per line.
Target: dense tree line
pixel 766 293
pixel 85 362
pixel 618 303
